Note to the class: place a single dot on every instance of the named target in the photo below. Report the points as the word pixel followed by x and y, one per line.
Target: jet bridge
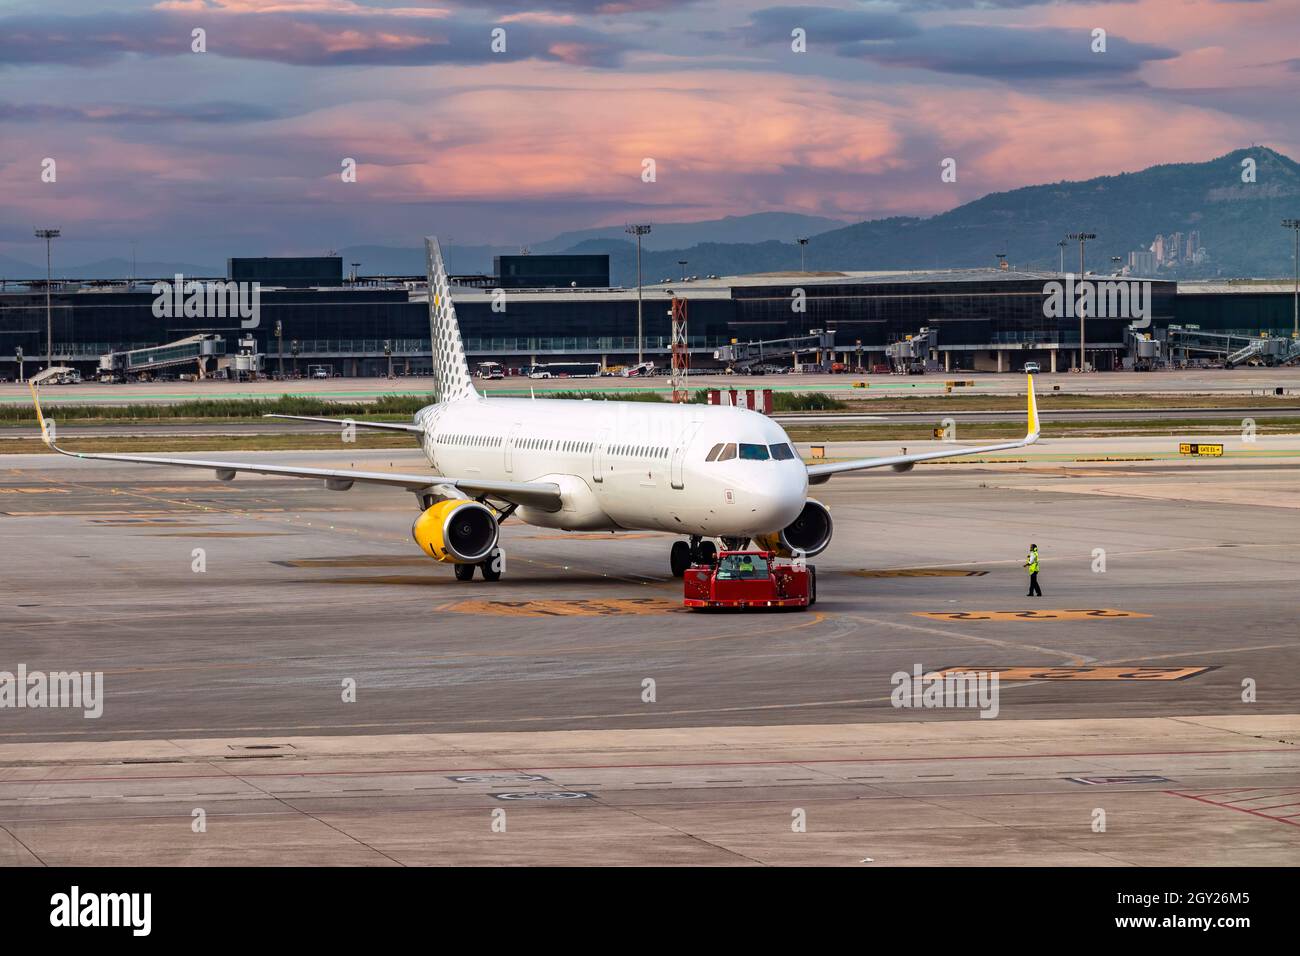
pixel 193 350
pixel 1188 343
pixel 743 355
pixel 912 354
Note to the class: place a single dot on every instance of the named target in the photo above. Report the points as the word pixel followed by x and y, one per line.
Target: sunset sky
pixel 237 150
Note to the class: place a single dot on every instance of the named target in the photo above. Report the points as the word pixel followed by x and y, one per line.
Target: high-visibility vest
pixel 1032 562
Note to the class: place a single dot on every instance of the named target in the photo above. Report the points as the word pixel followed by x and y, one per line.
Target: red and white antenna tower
pixel 681 355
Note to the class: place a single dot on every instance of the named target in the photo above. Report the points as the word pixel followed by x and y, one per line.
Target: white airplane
pixel 699 471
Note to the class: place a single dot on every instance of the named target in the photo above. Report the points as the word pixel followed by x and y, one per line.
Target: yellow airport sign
pixel 1200 448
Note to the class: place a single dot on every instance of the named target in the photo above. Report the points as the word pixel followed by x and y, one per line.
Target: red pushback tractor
pixel 750 580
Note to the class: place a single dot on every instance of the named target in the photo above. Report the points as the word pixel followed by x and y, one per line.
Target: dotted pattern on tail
pixel 451 379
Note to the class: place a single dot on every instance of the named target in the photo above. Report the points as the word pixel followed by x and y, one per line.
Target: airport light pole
pixel 279 341
pixel 49 235
pixel 638 230
pixel 682 263
pixel 1062 245
pixel 803 245
pixel 1082 238
pixel 1294 226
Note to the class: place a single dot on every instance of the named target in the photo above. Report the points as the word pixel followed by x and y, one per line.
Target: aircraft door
pixel 510 447
pixel 598 457
pixel 679 454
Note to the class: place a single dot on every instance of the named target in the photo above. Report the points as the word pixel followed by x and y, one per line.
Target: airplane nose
pixel 777 499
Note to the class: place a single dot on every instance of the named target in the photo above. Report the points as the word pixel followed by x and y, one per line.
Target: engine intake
pixel 810 533
pixel 458 531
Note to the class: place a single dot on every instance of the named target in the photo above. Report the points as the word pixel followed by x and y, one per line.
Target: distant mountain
pixel 756 228
pixel 711 258
pixel 759 227
pixel 17 269
pixel 1238 225
pixel 409 261
pixel 117 268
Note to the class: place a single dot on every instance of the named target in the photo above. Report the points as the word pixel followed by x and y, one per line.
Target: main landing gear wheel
pixel 464 572
pixel 679 559
pixel 708 552
pixel 493 567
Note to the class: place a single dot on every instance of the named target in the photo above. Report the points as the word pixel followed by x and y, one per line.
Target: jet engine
pixel 458 531
pixel 810 533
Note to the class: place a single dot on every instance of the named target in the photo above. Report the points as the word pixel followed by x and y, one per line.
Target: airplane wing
pixel 544 495
pixel 817 474
pixel 390 426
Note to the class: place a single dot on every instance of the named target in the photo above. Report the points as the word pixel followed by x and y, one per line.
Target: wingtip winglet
pixel 40 418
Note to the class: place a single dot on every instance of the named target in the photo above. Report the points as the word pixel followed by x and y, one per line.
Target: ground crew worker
pixel 1031 562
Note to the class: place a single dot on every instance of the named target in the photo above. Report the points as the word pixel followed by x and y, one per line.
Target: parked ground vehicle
pixel 565 370
pixel 750 579
pixel 1032 368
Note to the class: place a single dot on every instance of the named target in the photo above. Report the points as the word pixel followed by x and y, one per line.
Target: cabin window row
pixel 639 451
pixel 551 444
pixel 471 441
pixel 522 444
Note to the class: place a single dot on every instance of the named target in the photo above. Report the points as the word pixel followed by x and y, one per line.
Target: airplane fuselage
pixel 627 465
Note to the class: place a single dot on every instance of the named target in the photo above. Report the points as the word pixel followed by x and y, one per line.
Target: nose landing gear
pixel 696 551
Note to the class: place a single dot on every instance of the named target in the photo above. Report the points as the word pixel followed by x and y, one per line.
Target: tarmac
pixel 1190 791
pixel 272 614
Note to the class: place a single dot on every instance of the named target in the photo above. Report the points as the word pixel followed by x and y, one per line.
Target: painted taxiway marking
pixel 1258 793
pixel 579 608
pixel 1072 614
pixel 918 573
pixel 218 534
pixel 1082 673
pixel 359 561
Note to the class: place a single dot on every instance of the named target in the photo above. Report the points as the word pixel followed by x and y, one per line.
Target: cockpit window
pixel 782 451
pixel 754 453
pixel 714 451
pixel 728 452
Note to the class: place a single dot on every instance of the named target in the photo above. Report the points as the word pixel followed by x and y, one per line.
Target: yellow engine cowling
pixel 809 534
pixel 459 531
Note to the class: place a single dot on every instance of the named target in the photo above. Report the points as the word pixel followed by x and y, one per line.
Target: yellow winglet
pixel 45 429
pixel 1032 425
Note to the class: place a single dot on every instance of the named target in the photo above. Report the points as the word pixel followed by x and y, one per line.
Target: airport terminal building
pixel 562 308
